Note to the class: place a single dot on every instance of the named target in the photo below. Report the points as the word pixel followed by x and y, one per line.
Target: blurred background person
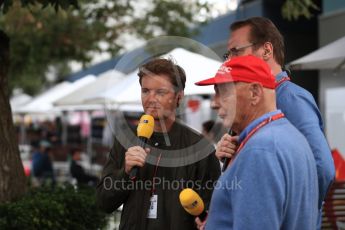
pixel 42 167
pixel 213 131
pixel 78 172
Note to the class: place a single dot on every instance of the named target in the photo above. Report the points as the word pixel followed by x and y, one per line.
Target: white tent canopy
pixel 43 103
pixel 102 83
pixel 196 66
pixel 331 56
pixel 18 100
pixel 126 91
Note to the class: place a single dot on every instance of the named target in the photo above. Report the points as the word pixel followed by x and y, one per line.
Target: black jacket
pixel 189 161
pixel 80 175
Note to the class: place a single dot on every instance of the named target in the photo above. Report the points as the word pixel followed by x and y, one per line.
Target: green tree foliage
pixel 294 9
pixel 42 35
pixel 50 33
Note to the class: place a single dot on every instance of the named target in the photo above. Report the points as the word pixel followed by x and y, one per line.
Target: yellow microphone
pixel 144 132
pixel 145 127
pixel 192 203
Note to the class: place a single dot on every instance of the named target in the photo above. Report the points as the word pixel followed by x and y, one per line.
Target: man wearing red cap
pixel 260 37
pixel 273 167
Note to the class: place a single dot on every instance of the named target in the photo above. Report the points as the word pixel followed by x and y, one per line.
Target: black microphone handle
pixel 225 163
pixel 226 160
pixel 203 216
pixel 133 173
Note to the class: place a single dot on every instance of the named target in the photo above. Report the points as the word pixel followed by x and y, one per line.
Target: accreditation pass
pixel 152 213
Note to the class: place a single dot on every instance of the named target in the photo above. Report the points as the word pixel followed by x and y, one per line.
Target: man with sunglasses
pixel 258 36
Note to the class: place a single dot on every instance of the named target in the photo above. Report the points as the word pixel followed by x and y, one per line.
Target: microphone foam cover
pixel 145 126
pixel 191 202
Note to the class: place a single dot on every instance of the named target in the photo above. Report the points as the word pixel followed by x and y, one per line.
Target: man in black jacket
pixel 78 172
pixel 177 157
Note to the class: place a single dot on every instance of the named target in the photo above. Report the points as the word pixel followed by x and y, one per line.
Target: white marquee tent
pixel 43 103
pixel 18 100
pixel 126 91
pixel 196 66
pixel 102 83
pixel 331 56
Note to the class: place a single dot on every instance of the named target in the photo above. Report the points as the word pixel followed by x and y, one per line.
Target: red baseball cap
pixel 243 69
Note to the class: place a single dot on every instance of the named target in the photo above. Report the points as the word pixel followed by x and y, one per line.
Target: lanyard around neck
pixel 281 81
pixel 155 174
pixel 254 130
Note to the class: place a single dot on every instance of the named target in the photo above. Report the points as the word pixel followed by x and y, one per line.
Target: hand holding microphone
pixel 226 149
pixel 135 156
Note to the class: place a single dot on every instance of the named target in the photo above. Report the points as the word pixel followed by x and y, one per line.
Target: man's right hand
pixel 135 156
pixel 226 147
pixel 200 225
